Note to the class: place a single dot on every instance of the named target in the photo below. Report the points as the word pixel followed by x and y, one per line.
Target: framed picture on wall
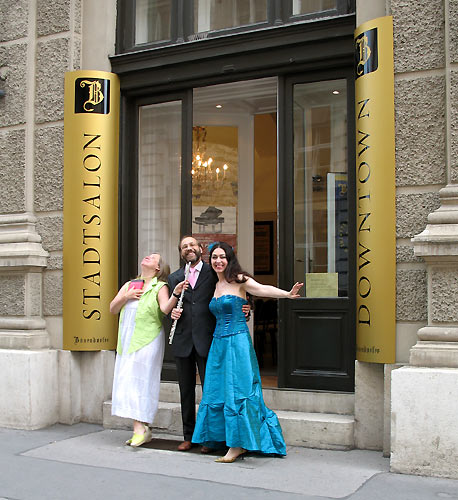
pixel 263 247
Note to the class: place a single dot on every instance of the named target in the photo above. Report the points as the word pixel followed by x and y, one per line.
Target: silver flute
pixel 179 303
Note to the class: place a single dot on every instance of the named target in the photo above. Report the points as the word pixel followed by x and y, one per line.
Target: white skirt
pixel 137 376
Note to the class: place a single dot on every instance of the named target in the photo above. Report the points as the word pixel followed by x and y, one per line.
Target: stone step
pixel 317 430
pixel 167 420
pixel 283 399
pixel 312 430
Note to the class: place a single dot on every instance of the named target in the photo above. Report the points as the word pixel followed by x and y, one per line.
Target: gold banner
pixel 375 195
pixel 91 144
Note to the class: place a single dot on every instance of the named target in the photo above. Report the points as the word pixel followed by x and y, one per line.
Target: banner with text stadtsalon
pixel 91 143
pixel 375 192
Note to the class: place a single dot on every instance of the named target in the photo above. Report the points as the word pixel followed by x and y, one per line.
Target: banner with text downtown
pixel 375 192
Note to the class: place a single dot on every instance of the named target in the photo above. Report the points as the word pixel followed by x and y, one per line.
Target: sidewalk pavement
pixel 85 461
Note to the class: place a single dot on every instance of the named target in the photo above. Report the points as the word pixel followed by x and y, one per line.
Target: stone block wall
pixel 454 119
pixel 422 135
pixel 421 149
pixel 39 42
pixel 12 161
pixel 424 394
pixel 57 51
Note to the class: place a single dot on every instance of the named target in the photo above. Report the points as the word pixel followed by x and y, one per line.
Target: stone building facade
pixel 407 409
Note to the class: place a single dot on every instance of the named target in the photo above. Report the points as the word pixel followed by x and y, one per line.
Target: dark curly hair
pixel 233 269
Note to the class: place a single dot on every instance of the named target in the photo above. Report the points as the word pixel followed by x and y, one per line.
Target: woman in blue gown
pixel 232 410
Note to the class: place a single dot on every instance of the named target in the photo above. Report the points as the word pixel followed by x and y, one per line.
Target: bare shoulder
pixel 249 279
pixel 248 283
pixel 123 287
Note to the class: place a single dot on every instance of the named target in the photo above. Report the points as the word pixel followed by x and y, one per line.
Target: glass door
pixel 317 247
pixel 234 198
pixel 321 187
pixel 155 187
pixel 159 180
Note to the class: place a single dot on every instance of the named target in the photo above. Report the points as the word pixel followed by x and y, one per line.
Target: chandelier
pixel 206 172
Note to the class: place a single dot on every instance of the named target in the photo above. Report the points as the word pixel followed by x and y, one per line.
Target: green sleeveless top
pixel 148 318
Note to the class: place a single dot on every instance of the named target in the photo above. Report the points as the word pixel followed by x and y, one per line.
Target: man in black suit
pixel 194 331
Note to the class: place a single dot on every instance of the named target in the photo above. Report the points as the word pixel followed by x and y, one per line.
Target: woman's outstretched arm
pixel 260 290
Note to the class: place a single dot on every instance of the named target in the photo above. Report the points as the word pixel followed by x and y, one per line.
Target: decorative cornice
pixel 24 340
pixel 434 354
pixel 439 240
pixel 20 245
pixel 323 31
pixel 438 333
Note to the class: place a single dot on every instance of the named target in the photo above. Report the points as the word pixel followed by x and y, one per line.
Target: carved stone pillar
pixel 437 344
pixel 424 395
pixel 22 260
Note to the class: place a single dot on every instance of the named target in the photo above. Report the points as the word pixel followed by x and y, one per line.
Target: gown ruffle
pixel 232 410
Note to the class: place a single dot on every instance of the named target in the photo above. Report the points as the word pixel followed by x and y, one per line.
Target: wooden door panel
pixel 318 342
pixel 317 354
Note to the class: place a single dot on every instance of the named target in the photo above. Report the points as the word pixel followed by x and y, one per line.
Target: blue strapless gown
pixel 232 410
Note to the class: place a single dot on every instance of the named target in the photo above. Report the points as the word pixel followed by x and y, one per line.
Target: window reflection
pixel 212 15
pixel 159 176
pixel 320 187
pixel 310 6
pixel 152 20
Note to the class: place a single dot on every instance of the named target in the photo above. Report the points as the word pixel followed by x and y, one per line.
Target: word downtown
pixel 364 227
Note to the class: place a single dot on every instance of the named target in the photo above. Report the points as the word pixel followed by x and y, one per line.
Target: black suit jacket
pixel 196 324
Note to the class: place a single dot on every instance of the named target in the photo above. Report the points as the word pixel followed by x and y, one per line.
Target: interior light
pixel 208 173
pixel 219 106
pixel 335 92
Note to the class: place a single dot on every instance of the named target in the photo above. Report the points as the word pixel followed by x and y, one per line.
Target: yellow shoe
pixel 139 439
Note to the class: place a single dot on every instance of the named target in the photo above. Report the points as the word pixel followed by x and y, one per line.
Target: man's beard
pixel 192 257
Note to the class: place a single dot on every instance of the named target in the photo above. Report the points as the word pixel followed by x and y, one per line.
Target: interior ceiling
pixel 251 96
pixel 260 96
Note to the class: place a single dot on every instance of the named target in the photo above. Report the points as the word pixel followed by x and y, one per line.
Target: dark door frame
pixel 278 50
pixel 340 310
pixel 170 73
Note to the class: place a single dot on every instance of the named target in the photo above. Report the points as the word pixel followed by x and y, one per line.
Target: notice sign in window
pixel 322 284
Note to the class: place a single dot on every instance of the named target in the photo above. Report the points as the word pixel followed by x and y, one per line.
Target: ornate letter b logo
pixel 92 95
pixel 366 53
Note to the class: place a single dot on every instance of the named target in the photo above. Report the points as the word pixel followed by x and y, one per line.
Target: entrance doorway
pixel 264 165
pixel 168 89
pixel 234 190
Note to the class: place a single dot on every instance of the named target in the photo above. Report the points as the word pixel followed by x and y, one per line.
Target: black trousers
pixel 186 370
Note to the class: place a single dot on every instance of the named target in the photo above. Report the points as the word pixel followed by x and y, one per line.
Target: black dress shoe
pixel 206 449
